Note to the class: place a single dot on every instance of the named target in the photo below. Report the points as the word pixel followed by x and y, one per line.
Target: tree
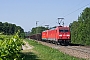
pixel 10 29
pixel 36 30
pixel 80 30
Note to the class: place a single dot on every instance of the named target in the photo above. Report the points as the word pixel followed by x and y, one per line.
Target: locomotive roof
pixel 62 27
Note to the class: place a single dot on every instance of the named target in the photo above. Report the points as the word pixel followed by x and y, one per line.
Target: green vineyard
pixel 10 47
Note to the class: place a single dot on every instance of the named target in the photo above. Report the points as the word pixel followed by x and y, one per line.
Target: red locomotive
pixel 60 34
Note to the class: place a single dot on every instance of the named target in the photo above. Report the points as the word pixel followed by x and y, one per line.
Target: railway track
pixel 80 48
pixel 76 51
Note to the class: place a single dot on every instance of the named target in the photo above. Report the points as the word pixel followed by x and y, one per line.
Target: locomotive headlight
pixel 67 35
pixel 60 35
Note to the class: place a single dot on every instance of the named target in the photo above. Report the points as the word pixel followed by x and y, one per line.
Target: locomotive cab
pixel 64 35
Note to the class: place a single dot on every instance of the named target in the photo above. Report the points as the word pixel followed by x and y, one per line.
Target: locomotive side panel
pixel 51 35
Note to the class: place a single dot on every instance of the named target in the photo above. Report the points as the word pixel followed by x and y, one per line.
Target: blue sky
pixel 25 13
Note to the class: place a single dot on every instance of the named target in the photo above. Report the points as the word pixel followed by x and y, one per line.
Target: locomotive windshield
pixel 63 30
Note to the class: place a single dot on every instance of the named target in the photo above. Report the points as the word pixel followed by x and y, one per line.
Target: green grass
pixel 29 56
pixel 47 53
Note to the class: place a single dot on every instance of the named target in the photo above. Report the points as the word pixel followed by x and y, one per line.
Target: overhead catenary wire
pixel 71 12
pixel 75 10
pixel 74 7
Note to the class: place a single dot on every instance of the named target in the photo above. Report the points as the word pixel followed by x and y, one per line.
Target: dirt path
pixel 29 53
pixel 27 46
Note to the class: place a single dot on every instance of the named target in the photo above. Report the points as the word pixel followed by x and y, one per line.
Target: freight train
pixel 59 35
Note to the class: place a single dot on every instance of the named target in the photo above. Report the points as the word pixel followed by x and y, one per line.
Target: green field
pixel 10 47
pixel 41 52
